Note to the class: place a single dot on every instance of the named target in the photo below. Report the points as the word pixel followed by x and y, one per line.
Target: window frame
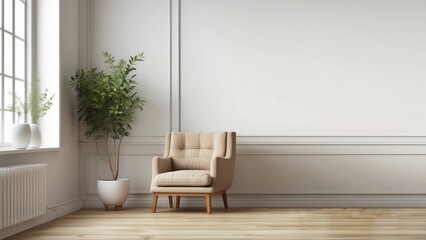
pixel 26 61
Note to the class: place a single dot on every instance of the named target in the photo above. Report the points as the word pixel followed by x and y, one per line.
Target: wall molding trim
pixel 278 200
pixel 53 212
pixel 157 148
pixel 289 140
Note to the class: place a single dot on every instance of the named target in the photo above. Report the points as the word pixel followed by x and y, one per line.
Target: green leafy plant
pixel 38 104
pixel 107 102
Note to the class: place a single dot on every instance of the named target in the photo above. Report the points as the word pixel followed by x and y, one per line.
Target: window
pixel 13 63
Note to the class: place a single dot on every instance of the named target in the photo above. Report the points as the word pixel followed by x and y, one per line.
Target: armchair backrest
pixel 194 150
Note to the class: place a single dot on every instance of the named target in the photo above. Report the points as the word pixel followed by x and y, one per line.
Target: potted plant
pixel 21 132
pixel 39 104
pixel 28 135
pixel 107 102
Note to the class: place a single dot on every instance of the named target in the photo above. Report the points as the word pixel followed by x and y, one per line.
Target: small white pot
pixel 113 193
pixel 36 138
pixel 21 135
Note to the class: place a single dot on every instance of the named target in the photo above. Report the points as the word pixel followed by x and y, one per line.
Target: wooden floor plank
pixel 236 223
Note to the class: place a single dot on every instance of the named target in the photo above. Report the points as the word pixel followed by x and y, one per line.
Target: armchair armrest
pixel 222 172
pixel 161 165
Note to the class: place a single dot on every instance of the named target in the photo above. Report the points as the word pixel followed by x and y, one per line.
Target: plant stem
pixel 115 174
pixel 109 157
pixel 118 154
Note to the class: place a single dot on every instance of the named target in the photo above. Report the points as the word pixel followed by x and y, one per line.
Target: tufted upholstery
pixel 194 151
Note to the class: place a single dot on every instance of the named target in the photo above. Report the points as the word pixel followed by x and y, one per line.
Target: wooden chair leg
pixel 177 201
pixel 225 199
pixel 209 203
pixel 154 202
pixel 171 201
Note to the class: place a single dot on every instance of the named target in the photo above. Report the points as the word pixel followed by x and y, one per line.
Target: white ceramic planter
pixel 36 138
pixel 113 193
pixel 21 135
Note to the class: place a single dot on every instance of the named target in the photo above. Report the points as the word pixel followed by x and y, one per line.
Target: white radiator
pixel 23 193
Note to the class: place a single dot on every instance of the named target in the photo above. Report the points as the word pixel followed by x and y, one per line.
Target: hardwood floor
pixel 235 223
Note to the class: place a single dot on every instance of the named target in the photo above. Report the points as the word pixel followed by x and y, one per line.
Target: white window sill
pixel 11 150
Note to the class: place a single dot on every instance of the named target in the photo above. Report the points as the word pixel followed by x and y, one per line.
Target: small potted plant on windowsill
pixel 39 104
pixel 21 132
pixel 26 135
pixel 107 102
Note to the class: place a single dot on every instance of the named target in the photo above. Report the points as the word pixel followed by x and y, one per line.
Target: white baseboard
pixel 53 212
pixel 279 200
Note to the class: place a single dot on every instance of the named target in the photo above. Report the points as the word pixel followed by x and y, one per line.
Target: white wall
pixel 310 68
pixel 63 194
pixel 325 96
pixel 144 27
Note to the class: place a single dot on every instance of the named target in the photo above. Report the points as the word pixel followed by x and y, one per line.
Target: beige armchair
pixel 194 164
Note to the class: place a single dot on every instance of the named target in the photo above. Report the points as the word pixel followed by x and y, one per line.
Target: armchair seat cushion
pixel 183 178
